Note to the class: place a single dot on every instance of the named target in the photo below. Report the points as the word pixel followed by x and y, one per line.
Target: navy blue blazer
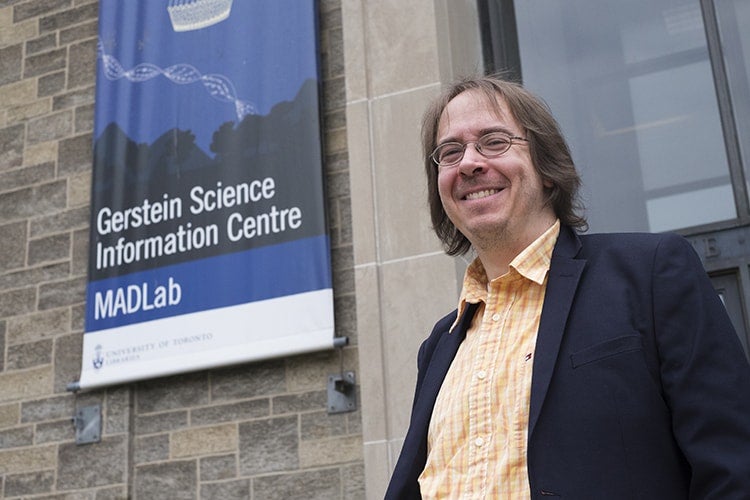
pixel 640 387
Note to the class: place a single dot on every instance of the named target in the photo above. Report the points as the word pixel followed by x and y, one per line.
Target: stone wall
pixel 257 431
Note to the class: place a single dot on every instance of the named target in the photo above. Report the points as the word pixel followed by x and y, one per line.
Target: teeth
pixel 481 194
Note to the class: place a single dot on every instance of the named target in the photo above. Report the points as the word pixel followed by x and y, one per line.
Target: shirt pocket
pixel 606 349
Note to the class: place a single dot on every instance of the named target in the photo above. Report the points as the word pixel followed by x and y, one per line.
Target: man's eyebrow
pixel 498 128
pixel 480 133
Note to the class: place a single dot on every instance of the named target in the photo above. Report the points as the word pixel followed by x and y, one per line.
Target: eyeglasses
pixel 489 145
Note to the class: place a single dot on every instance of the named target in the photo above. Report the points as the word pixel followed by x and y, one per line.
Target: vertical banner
pixel 208 241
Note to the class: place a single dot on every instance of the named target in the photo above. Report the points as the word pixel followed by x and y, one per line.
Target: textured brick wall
pixel 256 431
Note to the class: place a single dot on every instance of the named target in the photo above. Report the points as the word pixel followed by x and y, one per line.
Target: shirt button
pixel 496 317
pixel 481 374
pixel 479 442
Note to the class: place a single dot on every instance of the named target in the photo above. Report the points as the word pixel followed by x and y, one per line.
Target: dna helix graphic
pixel 218 86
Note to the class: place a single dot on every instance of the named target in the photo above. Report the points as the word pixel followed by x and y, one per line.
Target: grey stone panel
pixel 268 445
pixel 309 485
pixel 92 465
pixel 74 98
pixel 118 410
pixel 321 425
pixel 62 221
pixel 22 177
pixel 28 355
pixel 173 480
pixel 82 64
pixel 151 449
pixel 59 431
pixel 34 8
pixel 32 483
pixel 63 293
pixel 75 154
pixel 46 62
pixel 225 490
pixel 170 393
pixel 11 143
pixel 84 120
pixel 53 408
pixel 218 467
pixel 11 62
pixel 80 32
pixel 33 201
pixel 353 478
pixel 50 127
pixel 67 360
pixel 248 381
pixel 161 422
pixel 3 329
pixel 13 438
pixel 42 43
pixel 244 410
pixel 50 248
pixel 80 257
pixel 294 403
pixel 34 276
pixel 16 302
pixel 51 84
pixel 12 245
pixel 113 493
pixel 68 17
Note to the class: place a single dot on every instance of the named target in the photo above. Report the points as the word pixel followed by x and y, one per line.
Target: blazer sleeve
pixel 704 373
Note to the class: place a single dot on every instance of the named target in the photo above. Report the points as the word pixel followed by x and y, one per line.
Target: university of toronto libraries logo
pixel 98 359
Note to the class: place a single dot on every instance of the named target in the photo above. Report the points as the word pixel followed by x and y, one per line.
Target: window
pixel 632 85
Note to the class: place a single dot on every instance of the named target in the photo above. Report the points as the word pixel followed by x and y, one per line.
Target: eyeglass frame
pixel 463 145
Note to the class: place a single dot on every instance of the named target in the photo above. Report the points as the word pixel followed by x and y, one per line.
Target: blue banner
pixel 207 190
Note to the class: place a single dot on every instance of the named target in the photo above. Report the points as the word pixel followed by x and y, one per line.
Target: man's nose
pixel 473 161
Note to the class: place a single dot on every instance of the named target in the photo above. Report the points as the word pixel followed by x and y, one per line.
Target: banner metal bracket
pixel 88 424
pixel 342 393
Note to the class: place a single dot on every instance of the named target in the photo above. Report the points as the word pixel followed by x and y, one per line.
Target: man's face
pixel 492 201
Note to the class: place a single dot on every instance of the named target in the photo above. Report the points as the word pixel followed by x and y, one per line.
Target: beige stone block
pixel 40 153
pixel 79 190
pixel 401 45
pixel 458 43
pixel 319 452
pixel 37 326
pixel 12 33
pixel 310 372
pixel 29 110
pixel 404 227
pixel 352 14
pixel 10 415
pixel 26 384
pixel 51 127
pixel 372 383
pixel 360 179
pixel 203 441
pixel 335 140
pixel 28 459
pixel 19 93
pixel 377 469
pixel 420 291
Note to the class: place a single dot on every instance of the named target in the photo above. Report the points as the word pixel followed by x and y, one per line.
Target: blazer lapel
pixel 442 358
pixel 564 274
pixel 436 369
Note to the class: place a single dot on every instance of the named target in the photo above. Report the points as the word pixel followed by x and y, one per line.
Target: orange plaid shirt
pixel 477 436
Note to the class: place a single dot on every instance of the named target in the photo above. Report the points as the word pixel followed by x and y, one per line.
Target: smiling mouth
pixel 481 194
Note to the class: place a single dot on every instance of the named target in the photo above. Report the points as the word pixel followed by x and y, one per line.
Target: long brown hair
pixel 549 152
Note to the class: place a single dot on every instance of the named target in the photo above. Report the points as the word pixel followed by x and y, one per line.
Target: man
pixel 575 366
